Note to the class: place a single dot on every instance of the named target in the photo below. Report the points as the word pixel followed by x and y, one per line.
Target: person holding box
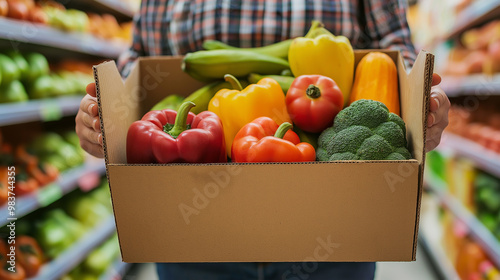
pixel 178 27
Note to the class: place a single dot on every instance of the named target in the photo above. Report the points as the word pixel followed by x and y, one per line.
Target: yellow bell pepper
pixel 322 53
pixel 239 107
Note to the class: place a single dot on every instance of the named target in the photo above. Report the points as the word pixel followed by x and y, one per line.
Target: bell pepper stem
pixel 314 25
pixel 180 120
pixel 313 91
pixel 282 129
pixel 233 81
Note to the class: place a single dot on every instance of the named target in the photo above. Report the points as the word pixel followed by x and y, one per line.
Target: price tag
pixel 89 181
pixel 49 194
pixel 50 111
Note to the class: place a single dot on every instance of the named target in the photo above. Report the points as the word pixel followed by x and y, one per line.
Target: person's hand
pixel 88 126
pixel 438 115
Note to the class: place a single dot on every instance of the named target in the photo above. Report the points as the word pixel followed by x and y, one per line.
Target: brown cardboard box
pixel 271 212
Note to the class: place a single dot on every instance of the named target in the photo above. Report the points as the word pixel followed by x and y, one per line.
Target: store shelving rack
pixel 474 85
pixel 483 158
pixel 478 12
pixel 55 43
pixel 74 255
pixel 16 34
pixel 67 182
pixel 480 234
pixel 49 109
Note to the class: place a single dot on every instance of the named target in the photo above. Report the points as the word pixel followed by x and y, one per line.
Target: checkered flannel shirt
pixel 175 27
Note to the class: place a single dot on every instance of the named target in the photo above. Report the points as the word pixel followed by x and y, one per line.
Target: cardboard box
pixel 270 212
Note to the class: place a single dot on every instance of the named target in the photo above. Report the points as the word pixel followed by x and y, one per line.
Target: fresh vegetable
pixel 377 79
pixel 212 65
pixel 284 81
pixel 101 258
pixel 308 137
pixel 24 183
pixel 364 131
pixel 5 273
pixel 87 210
pixel 203 95
pixel 170 102
pixel 29 255
pixel 21 63
pixel 9 70
pixel 263 140
pixel 57 232
pixel 313 101
pixel 279 49
pixel 239 106
pixel 167 136
pixel 52 149
pixel 13 92
pixel 322 53
pixel 4 184
pixel 38 66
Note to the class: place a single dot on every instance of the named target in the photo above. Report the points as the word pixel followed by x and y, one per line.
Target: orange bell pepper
pixel 264 141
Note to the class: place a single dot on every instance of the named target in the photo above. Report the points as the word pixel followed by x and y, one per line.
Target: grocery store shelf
pixel 67 182
pixel 50 109
pixel 120 9
pixel 481 235
pixel 474 85
pixel 478 12
pixel 440 261
pixel 13 32
pixel 483 158
pixel 116 271
pixel 74 255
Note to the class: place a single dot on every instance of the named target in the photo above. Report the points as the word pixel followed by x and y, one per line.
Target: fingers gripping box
pixel 270 212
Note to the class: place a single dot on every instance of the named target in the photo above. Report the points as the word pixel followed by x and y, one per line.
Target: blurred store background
pixel 63 206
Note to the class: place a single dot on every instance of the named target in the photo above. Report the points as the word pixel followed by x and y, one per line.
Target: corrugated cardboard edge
pixel 106 159
pixel 429 70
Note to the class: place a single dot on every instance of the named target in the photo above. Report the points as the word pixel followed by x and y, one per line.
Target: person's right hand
pixel 88 126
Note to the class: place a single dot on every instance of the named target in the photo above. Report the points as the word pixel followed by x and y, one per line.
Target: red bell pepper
pixel 313 101
pixel 263 140
pixel 29 255
pixel 167 136
pixel 5 273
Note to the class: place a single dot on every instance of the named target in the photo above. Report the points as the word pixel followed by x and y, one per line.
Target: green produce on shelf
pixel 21 64
pixel 42 87
pixel 102 257
pixel 52 148
pixel 57 232
pixel 487 192
pixel 89 211
pixel 8 68
pixel 38 66
pixel 437 164
pixel 103 195
pixel 13 92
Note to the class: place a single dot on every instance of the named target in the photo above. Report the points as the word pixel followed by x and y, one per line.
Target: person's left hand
pixel 438 115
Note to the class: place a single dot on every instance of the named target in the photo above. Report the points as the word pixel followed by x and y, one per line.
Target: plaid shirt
pixel 175 27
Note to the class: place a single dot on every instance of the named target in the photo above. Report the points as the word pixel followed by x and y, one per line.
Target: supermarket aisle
pixel 421 269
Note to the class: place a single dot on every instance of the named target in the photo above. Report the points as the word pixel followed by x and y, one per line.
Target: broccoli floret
pixel 366 131
pixel 404 152
pixel 361 112
pixel 343 156
pixel 392 133
pixel 374 147
pixel 395 156
pixel 348 140
pixel 399 121
pixel 327 136
pixel 322 154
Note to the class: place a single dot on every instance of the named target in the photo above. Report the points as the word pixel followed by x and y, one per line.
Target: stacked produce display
pixel 49 233
pixel 55 14
pixel 285 88
pixel 25 76
pixel 466 36
pixel 59 202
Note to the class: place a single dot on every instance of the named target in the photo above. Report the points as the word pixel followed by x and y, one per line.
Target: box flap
pixel 116 109
pixel 415 93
